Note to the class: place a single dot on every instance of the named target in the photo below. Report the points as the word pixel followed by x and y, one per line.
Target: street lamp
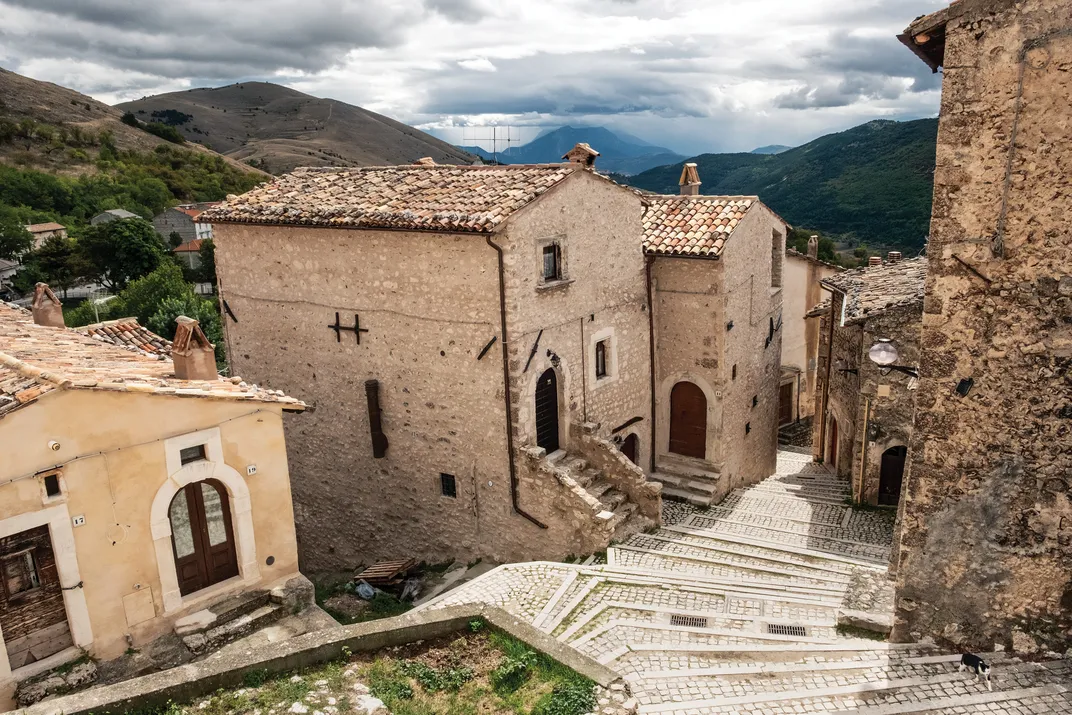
pixel 884 354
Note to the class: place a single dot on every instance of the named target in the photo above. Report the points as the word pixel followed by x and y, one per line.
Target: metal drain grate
pixel 690 621
pixel 777 629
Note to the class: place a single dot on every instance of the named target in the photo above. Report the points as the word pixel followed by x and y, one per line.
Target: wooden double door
pixel 202 536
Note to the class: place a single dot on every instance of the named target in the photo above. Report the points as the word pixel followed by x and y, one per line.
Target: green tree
pixel 174 239
pixel 117 252
pixel 15 240
pixel 57 262
pixel 206 273
pixel 162 322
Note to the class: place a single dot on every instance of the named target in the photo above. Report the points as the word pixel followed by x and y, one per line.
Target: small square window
pixel 552 262
pixel 448 485
pixel 52 485
pixel 601 359
pixel 192 454
pixel 20 573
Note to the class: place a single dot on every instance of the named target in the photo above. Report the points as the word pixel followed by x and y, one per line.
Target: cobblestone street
pixel 734 609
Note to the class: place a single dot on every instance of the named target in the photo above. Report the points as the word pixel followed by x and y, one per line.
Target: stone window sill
pixel 553 285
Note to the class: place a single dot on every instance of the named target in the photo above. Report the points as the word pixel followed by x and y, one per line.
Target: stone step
pixel 770 549
pixel 611 499
pixel 683 467
pixel 221 613
pixel 598 488
pixel 217 636
pixel 685 495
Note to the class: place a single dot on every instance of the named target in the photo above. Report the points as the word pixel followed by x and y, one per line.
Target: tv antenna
pixel 498 136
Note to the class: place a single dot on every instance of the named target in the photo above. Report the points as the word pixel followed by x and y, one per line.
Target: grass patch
pixel 476 672
pixel 857 632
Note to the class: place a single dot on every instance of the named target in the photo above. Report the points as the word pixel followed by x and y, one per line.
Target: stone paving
pixel 733 609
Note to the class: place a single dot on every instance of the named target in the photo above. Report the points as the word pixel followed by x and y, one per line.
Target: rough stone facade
pixel 800 341
pixel 986 543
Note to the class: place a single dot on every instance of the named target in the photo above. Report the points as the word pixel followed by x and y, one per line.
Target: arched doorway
pixel 202 536
pixel 688 420
pixel 832 451
pixel 891 475
pixel 547 411
pixel 630 448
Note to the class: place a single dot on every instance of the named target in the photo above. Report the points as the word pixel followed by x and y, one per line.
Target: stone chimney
pixel 425 161
pixel 874 261
pixel 583 155
pixel 813 247
pixel 893 256
pixel 194 356
pixel 689 182
pixel 47 309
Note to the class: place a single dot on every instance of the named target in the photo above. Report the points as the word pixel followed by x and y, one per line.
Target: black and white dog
pixel 976 665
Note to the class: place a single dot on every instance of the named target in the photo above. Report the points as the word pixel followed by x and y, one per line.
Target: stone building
pixel 41 232
pixel 800 344
pixel 486 374
pixel 112 215
pixel 864 419
pixel 135 490
pixel 986 544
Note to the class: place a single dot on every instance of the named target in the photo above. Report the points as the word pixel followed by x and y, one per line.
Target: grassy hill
pixel 277 128
pixel 65 157
pixel 871 184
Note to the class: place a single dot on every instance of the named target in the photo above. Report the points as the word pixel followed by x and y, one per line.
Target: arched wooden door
pixel 891 475
pixel 630 447
pixel 202 536
pixel 547 411
pixel 688 420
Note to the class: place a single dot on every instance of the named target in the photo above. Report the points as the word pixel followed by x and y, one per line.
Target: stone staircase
pixel 688 480
pixel 736 609
pixel 228 620
pixel 622 515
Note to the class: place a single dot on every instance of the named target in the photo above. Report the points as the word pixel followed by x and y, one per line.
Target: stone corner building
pixel 497 358
pixel 864 419
pixel 986 543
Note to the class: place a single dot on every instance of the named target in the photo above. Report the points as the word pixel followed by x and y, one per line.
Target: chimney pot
pixel 690 180
pixel 47 309
pixel 813 247
pixel 194 356
pixel 893 256
pixel 874 261
pixel 425 161
pixel 582 154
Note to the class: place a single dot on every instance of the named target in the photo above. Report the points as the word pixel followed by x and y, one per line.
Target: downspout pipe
pixel 648 261
pixel 508 399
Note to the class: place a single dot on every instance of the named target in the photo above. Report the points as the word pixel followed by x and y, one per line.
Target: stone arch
pixel 891 475
pixel 714 413
pixel 241 519
pixel 526 427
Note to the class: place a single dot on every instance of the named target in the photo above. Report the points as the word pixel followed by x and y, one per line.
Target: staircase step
pixel 598 488
pixel 221 613
pixel 235 628
pixel 611 499
pixel 685 468
pixel 685 495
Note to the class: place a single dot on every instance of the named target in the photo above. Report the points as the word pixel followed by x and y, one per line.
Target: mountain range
pixel 276 128
pixel 870 184
pixel 618 152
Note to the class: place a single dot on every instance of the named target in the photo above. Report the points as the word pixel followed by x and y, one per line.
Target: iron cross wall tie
pixel 356 328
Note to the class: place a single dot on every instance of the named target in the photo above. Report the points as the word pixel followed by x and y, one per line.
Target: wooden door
pixel 547 411
pixel 832 453
pixel 33 617
pixel 891 475
pixel 630 447
pixel 785 404
pixel 688 420
pixel 202 536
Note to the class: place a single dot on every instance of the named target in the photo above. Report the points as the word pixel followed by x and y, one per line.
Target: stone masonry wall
pixel 986 540
pixel 843 400
pixel 751 302
pixel 176 221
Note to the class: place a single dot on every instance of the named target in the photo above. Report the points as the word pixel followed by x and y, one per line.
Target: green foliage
pixel 57 262
pixel 513 671
pixel 255 678
pixel 798 240
pixel 15 240
pixel 172 117
pixel 434 680
pixel 871 183
pixel 568 697
pixel 130 120
pixel 120 251
pixel 387 682
pixel 174 239
pixel 206 272
pixel 165 132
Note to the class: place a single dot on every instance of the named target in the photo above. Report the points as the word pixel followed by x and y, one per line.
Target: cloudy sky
pixel 691 75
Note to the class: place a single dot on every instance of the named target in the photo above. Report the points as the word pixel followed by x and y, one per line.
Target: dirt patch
pixel 348 605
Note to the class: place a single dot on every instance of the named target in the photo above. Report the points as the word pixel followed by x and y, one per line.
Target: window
pixel 601 359
pixel 52 485
pixel 734 373
pixel 776 260
pixel 552 262
pixel 448 485
pixel 20 573
pixel 192 454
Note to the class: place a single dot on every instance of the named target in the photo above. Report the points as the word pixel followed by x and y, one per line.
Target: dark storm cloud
pixel 216 38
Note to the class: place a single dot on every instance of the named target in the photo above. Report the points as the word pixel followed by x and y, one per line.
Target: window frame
pixel 602 347
pixel 202 451
pixel 554 250
pixel 34 573
pixel 552 246
pixel 448 485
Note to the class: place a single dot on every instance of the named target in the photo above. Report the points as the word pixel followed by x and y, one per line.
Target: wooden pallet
pixel 387 573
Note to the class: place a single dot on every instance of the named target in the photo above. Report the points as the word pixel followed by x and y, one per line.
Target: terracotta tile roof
pixel 35 360
pixel 821 308
pixel 692 225
pixel 425 198
pixel 189 247
pixel 873 290
pixel 128 332
pixel 195 210
pixel 42 227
